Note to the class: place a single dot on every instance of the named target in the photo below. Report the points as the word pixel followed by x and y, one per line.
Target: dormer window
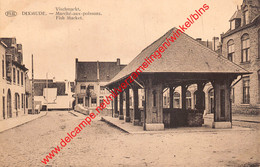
pixel 233 24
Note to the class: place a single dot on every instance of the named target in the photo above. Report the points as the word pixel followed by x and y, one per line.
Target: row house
pixel 13 93
pixel 90 81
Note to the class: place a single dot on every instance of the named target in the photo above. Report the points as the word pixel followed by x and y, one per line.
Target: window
pixel 80 100
pixel 22 78
pixel 17 101
pixel 14 76
pixel 22 100
pixel 3 107
pixel 102 89
pixel 101 99
pixel 3 67
pixel 18 77
pixel 231 50
pixel 245 48
pixel 8 68
pixel 19 104
pixel 246 95
pixel 93 102
pixel 26 101
pixel 82 88
pixel 246 17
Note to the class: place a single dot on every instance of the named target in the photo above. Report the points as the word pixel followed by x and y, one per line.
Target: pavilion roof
pixel 184 55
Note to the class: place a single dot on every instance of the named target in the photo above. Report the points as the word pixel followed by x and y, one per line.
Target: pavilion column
pixel 222 115
pixel 183 97
pixel 121 113
pixel 154 105
pixel 127 113
pixel 137 118
pixel 171 97
pixel 89 102
pixel 200 98
pixel 116 107
pixel 84 101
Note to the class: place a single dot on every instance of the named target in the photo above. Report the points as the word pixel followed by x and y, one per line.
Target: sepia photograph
pixel 130 83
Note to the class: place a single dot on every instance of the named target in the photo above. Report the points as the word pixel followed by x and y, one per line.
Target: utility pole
pixel 47 93
pixel 33 110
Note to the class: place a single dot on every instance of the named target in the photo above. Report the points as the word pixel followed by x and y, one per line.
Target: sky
pixel 123 30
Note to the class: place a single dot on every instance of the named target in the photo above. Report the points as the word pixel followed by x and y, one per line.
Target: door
pixel 9 104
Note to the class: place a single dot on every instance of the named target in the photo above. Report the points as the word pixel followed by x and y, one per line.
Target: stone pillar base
pixel 127 119
pixel 136 122
pixel 116 115
pixel 121 117
pixel 221 125
pixel 154 126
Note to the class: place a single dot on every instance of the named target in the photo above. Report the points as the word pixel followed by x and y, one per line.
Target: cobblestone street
pixel 103 145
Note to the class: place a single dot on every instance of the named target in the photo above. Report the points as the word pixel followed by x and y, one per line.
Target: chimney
pixel 19 48
pixel 118 61
pixel 20 53
pixel 76 71
pixel 198 39
pixel 97 71
pixel 215 43
pixel 13 42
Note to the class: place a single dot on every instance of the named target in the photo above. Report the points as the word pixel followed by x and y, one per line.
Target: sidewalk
pixel 17 121
pixel 246 118
pixel 240 117
pixel 130 128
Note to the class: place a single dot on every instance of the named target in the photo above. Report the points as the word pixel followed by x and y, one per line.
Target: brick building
pixel 241 45
pixel 13 94
pixel 90 81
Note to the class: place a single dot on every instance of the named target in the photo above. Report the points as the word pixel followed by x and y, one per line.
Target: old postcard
pixel 130 83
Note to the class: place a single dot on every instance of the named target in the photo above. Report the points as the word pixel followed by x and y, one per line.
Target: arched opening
pixel 211 100
pixel 17 103
pixel 176 100
pixel 188 100
pixel 9 104
pixel 166 98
